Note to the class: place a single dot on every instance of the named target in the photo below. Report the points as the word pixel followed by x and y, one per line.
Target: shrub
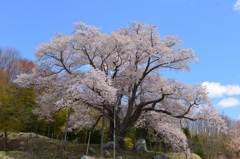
pixel 129 142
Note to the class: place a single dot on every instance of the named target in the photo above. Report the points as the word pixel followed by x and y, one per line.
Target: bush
pixel 186 131
pixel 129 142
pixel 197 147
pixel 132 135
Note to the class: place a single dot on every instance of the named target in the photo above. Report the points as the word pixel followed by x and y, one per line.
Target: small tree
pixel 15 103
pixel 15 107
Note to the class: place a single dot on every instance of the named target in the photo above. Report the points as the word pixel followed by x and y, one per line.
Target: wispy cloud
pixel 217 90
pixel 228 102
pixel 237 5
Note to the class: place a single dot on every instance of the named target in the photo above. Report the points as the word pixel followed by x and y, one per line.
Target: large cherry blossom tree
pixel 119 73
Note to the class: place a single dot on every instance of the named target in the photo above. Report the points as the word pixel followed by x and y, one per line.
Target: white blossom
pixel 121 70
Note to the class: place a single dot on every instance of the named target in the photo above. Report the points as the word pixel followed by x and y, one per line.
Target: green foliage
pixel 141 133
pixel 59 120
pixel 15 106
pixel 96 137
pixel 52 127
pixel 130 138
pixel 196 146
pixel 194 143
pixel 132 135
pixel 129 142
pixel 83 135
pixel 186 131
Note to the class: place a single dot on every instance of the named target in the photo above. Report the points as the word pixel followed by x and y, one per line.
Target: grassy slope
pixel 21 146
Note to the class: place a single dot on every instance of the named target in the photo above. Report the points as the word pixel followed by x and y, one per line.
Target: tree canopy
pixel 120 73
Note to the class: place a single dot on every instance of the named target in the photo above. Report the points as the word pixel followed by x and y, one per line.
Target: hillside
pixel 32 146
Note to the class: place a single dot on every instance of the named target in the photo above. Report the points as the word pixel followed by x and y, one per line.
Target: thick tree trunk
pixel 120 134
pixel 120 142
pixel 110 131
pixel 122 126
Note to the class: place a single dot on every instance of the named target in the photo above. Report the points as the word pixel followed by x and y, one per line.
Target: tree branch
pixel 96 122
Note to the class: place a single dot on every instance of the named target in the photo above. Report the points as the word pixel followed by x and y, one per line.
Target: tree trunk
pixel 49 127
pixel 120 142
pixel 85 137
pixel 67 124
pixel 120 134
pixel 102 135
pixel 110 131
pixel 121 126
pixel 5 140
pixel 64 139
pixel 36 129
pixel 88 144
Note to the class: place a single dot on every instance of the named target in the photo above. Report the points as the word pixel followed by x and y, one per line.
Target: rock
pixel 140 142
pixel 85 157
pixel 92 150
pixel 141 149
pixel 107 154
pixel 141 146
pixel 161 156
pixel 119 157
pixel 108 145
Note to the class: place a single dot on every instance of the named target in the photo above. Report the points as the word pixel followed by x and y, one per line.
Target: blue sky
pixel 210 27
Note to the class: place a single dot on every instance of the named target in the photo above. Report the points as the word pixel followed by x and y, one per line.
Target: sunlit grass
pixel 14 155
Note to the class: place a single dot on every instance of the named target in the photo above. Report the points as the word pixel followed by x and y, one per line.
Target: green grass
pixel 25 147
pixel 14 155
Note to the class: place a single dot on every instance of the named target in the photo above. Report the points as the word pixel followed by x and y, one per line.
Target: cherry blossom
pixel 120 73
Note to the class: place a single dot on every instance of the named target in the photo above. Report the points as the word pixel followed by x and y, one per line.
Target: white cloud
pixel 237 5
pixel 217 90
pixel 228 102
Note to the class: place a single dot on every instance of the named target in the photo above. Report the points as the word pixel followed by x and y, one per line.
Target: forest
pixel 92 88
